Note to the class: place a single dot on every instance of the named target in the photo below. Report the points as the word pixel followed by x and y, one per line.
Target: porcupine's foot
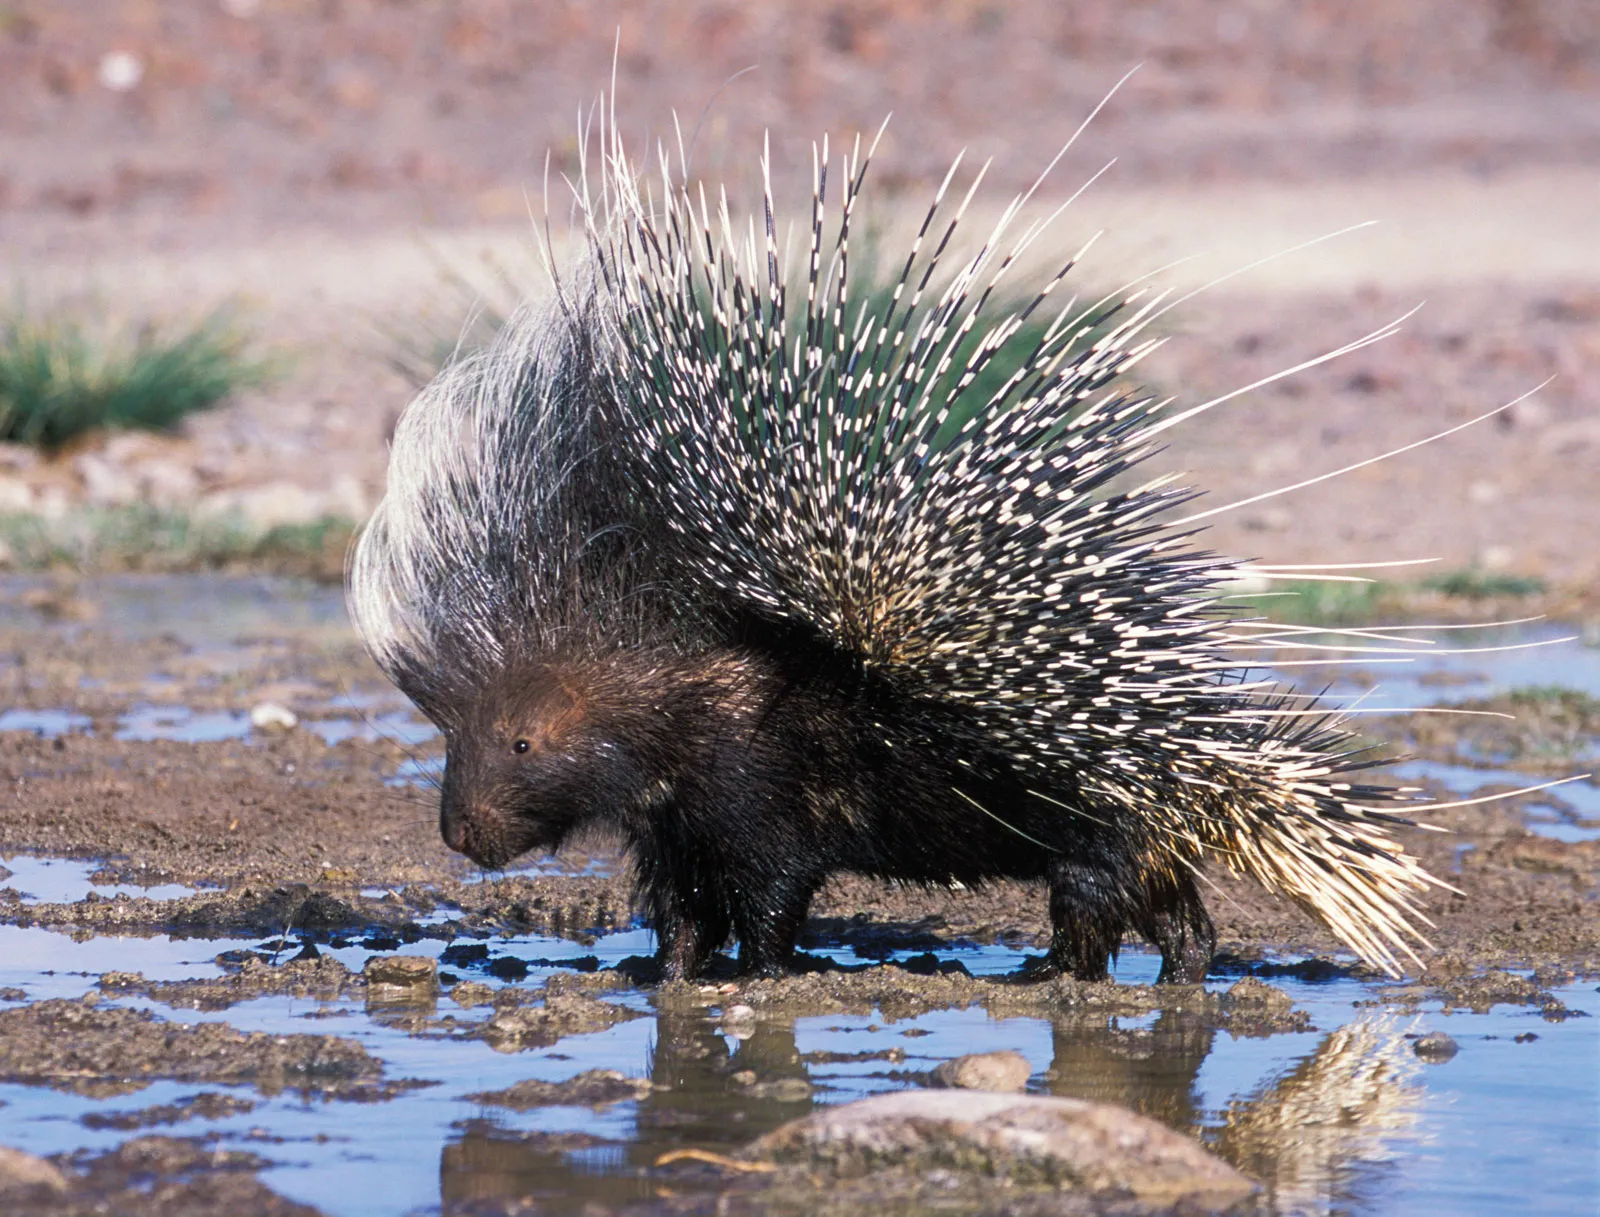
pixel 688 937
pixel 683 955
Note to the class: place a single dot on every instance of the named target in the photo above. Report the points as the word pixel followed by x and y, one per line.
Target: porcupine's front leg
pixel 768 911
pixel 685 908
pixel 687 943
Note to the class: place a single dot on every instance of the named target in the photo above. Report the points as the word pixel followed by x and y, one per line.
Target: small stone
pixel 270 716
pixel 275 505
pixel 16 496
pixel 401 971
pixel 104 484
pixel 1497 558
pixel 594 1088
pixel 167 484
pixel 1256 996
pixel 17 456
pixel 739 1022
pixel 782 1090
pixel 120 71
pixel 347 498
pixel 470 993
pixel 744 1077
pixel 1436 1047
pixel 19 1170
pixel 1002 1071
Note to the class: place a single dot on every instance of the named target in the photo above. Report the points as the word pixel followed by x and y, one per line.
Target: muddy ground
pixel 285 833
pixel 294 845
pixel 344 168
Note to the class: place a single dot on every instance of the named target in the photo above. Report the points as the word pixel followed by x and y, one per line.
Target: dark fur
pixel 741 779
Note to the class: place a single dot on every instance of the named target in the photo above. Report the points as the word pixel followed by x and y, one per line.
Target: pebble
pixel 120 71
pixel 20 1170
pixel 400 977
pixel 15 495
pixel 270 716
pixel 104 484
pixel 1254 995
pixel 1436 1047
pixel 1001 1071
pixel 739 1022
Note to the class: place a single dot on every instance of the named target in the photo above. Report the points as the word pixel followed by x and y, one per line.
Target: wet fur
pixel 740 780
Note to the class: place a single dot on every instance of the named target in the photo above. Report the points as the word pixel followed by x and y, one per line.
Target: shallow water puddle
pixel 68 880
pixel 1390 1133
pixel 1447 667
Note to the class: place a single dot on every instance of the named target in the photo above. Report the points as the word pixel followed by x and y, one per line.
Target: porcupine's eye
pixel 520 747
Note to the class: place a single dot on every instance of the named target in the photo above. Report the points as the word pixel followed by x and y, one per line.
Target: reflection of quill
pixel 1305 1135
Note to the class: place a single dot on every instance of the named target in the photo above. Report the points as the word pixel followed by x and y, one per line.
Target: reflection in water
pixel 696 1102
pixel 1150 1070
pixel 1326 1131
pixel 1313 1135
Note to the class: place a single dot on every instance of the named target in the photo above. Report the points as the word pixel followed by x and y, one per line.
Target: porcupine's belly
pixel 920 833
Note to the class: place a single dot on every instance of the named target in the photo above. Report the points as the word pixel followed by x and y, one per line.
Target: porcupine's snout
pixel 478 813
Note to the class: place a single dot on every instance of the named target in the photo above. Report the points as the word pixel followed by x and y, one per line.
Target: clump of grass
pixel 1473 584
pixel 1315 602
pixel 154 539
pixel 64 374
pixel 461 317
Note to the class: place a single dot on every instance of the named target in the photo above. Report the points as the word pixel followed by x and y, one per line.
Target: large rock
pixel 1029 1139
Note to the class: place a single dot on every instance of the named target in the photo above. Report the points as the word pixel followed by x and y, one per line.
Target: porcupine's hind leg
pixel 1088 917
pixel 1174 920
pixel 1094 903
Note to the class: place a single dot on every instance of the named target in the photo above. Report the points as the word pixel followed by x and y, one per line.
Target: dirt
pixel 591 1088
pixel 77 1046
pixel 208 1105
pixel 156 1176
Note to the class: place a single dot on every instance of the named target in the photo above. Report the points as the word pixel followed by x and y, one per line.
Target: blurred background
pixel 235 235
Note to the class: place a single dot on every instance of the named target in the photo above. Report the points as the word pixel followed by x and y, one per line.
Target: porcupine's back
pixel 820 464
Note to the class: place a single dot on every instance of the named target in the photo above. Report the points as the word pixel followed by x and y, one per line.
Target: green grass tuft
pixel 1473 584
pixel 155 539
pixel 63 375
pixel 1315 602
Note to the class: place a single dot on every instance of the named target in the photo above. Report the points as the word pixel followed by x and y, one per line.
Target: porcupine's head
pixel 531 760
pixel 500 563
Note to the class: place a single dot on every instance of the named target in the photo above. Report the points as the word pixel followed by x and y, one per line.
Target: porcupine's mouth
pixel 493 845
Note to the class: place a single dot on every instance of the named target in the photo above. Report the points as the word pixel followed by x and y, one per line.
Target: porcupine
pixel 782 588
